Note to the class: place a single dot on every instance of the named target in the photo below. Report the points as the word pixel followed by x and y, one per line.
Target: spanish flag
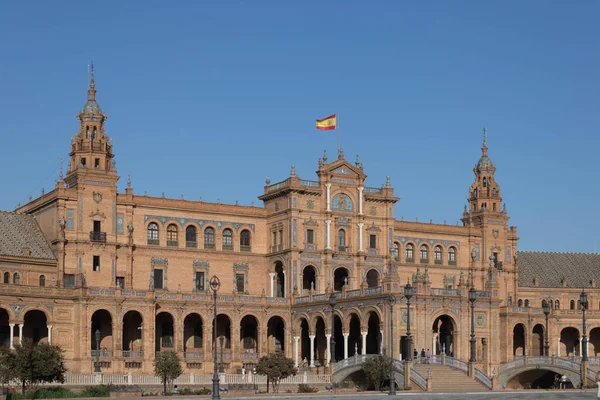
pixel 327 124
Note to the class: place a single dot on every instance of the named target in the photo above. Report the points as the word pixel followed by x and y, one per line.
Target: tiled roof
pixel 578 269
pixel 18 231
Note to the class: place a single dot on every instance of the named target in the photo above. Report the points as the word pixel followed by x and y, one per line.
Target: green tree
pixel 34 363
pixel 377 370
pixel 6 371
pixel 275 367
pixel 167 366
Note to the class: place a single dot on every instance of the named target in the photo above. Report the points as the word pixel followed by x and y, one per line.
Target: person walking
pixel 428 356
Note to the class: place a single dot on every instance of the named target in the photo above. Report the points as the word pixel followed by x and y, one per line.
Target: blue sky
pixel 208 98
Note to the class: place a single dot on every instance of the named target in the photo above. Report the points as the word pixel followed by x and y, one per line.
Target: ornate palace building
pixel 85 258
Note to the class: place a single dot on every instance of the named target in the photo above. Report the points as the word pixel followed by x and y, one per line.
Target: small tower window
pixel 97 163
pixel 484 182
pixel 475 193
pixel 96 263
pixel 494 193
pixel 94 135
pixel 342 240
pixel 42 281
pixel 6 277
pixel 87 132
pixel 82 161
pixel 557 304
pixel 16 278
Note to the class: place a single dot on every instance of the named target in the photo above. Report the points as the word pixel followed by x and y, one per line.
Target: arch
pixel 101 321
pixel 191 236
pixel 338 336
pixel 164 327
pixel 506 376
pixel 35 326
pixel 354 337
pixel 209 237
pixel 320 341
pixel 42 281
pixel 309 279
pixel 537 340
pixel 223 323
pixel 16 278
pixel 424 254
pixel 372 278
pixel 7 277
pixel 572 304
pixel 520 303
pixel 410 252
pixel 437 254
pixel 341 278
pixel 519 340
pixel 133 325
pixel 5 332
pixel 444 332
pixel 569 342
pixel 452 255
pixel 276 334
pixel 279 279
pixel 595 342
pixel 152 233
pixel 304 341
pixel 193 334
pixel 395 251
pixel 557 304
pixel 342 202
pixel 227 239
pixel 374 341
pixel 249 334
pixel 245 240
pixel 172 235
pixel 314 319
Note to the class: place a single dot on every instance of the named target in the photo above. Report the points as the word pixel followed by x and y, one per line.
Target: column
pixel 296 339
pixel 328 355
pixel 312 350
pixel 346 345
pixel 328 234
pixel 11 335
pixel 364 342
pixel 360 200
pixel 580 348
pixel 558 347
pixel 20 333
pixel 328 200
pixel 381 342
pixel 271 276
pixel 49 334
pixel 433 344
pixel 284 284
pixel 360 242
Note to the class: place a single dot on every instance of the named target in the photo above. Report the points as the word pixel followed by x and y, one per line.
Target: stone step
pixel 446 379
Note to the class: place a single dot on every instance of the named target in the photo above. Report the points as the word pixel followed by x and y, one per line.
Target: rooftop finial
pixel 60 176
pixel 325 156
pixel 128 181
pixel 293 171
pixel 92 90
pixel 92 84
pixel 484 148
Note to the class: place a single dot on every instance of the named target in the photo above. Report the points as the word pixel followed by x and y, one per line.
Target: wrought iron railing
pixel 154 242
pixel 98 237
pixel 245 248
pixel 133 353
pixel 102 353
pixel 191 245
pixel 194 355
pixel 173 243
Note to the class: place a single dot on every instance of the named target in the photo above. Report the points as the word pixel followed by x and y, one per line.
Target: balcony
pixel 452 262
pixel 173 243
pixel 445 292
pixel 437 262
pixel 249 356
pixel 153 242
pixel 99 237
pixel 310 246
pixel 194 355
pixel 344 249
pixel 102 353
pixel 424 261
pixel 227 247
pixel 245 248
pixel 410 260
pixel 276 248
pixel 133 354
pixel 209 246
pixel 190 244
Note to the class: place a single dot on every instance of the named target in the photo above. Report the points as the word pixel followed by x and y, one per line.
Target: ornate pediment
pixel 97 213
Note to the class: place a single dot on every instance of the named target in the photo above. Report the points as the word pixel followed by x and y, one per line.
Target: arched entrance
pixel 537 340
pixel 339 338
pixel 320 343
pixel 355 338
pixel 4 328
pixel 443 335
pixel 373 278
pixel 36 327
pixel 223 330
pixel 132 332
pixel 519 340
pixel 193 336
pixel 569 342
pixel 340 279
pixel 276 335
pixel 101 321
pixel 249 335
pixel 595 342
pixel 309 279
pixel 374 334
pixel 279 280
pixel 305 343
pixel 164 332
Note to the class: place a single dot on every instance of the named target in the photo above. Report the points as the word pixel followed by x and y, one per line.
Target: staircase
pixel 445 379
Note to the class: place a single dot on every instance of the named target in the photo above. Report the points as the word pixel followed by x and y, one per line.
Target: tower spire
pixel 92 90
pixel 484 148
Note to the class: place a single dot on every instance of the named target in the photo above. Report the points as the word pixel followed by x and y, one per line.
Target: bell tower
pixel 91 149
pixel 484 194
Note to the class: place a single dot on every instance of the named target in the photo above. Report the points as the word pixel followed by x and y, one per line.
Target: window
pixel 153 233
pixel 120 281
pixel 424 255
pixel 199 281
pixel 410 253
pixel 437 255
pixel 82 161
pixel 190 236
pixel 526 302
pixel 557 305
pixel 395 250
pixel 342 240
pixel 572 304
pixel 96 263
pixel 280 239
pixel 520 303
pixel 16 278
pixel 310 236
pixel 372 241
pixel 69 281
pixel 245 240
pixel 97 163
pixel 158 279
pixel 42 281
pixel 239 283
pixel 6 277
pixel 274 237
pixel 227 239
pixel 484 182
pixel 494 193
pixel 209 238
pixel 97 226
pixel 452 256
pixel 172 235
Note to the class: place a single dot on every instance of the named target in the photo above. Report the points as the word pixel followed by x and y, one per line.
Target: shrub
pixel 303 388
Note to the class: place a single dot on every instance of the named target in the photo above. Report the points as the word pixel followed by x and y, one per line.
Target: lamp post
pixel 583 300
pixel 215 284
pixel 391 301
pixel 409 291
pixel 546 309
pixel 221 341
pixel 97 366
pixel 472 300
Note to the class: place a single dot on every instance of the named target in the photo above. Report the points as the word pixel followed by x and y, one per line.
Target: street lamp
pixel 215 284
pixel 583 300
pixel 221 340
pixel 472 300
pixel 409 291
pixel 546 309
pixel 332 302
pixel 97 366
pixel 391 301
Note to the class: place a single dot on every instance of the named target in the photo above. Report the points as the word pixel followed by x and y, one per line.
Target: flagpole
pixel 337 130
